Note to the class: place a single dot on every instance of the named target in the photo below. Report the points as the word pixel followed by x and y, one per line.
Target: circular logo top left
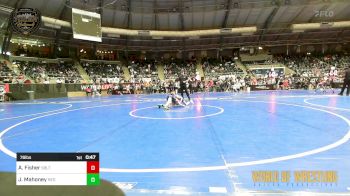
pixel 25 20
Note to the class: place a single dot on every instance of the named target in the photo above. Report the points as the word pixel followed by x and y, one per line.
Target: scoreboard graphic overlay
pixel 58 169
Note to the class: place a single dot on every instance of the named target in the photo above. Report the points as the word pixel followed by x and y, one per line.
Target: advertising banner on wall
pixel 4 88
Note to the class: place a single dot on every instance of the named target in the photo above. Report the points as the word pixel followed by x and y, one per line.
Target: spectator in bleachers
pixel 42 71
pixel 7 75
pixel 101 72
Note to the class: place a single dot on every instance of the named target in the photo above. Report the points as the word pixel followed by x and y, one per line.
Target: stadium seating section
pixel 102 72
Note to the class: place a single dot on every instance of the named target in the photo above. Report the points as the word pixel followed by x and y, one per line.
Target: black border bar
pixel 37 156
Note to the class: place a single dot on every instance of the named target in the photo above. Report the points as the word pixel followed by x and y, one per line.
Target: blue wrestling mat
pixel 224 143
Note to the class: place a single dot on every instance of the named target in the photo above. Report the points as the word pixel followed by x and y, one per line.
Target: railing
pixel 40 91
pixel 38 59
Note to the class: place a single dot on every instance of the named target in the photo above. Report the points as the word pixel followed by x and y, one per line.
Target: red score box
pixel 93 167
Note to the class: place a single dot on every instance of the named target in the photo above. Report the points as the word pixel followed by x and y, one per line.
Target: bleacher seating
pixel 6 75
pixel 44 72
pixel 215 68
pixel 173 68
pixel 314 66
pixel 103 72
pixel 143 69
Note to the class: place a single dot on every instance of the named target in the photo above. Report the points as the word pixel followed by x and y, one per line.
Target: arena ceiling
pixel 273 19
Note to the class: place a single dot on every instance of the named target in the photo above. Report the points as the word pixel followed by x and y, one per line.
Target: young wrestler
pixel 173 100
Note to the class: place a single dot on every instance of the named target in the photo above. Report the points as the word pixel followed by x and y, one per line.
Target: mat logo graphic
pixel 25 20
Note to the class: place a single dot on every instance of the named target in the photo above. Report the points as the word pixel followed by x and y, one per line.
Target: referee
pixel 346 83
pixel 183 87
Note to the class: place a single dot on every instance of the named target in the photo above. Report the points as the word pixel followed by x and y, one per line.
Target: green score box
pixel 93 179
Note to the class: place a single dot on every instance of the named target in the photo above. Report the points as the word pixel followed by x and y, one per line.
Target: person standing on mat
pixel 346 83
pixel 183 88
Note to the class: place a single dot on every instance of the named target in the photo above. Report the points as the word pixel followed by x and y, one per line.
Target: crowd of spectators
pixel 173 68
pixel 220 75
pixel 142 69
pixel 230 83
pixel 9 76
pixel 6 75
pixel 314 66
pixel 310 71
pixel 213 67
pixel 101 72
pixel 42 72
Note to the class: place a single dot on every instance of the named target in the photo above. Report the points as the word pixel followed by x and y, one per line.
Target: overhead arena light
pixel 55 26
pixel 53 21
pixel 322 25
pixel 244 30
pixel 326 24
pixel 144 33
pixel 226 30
pixel 119 31
pixel 56 23
pixel 199 33
pixel 131 32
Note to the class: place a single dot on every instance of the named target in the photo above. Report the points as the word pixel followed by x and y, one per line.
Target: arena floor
pixel 212 146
